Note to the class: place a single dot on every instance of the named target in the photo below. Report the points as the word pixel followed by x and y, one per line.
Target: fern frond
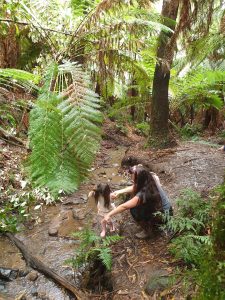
pixel 111 239
pixel 106 257
pixel 202 87
pixel 87 237
pixel 64 134
pixel 20 78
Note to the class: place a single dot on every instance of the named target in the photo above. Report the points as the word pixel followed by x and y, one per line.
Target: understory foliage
pixel 202 87
pixel 189 225
pixel 18 207
pixel 92 247
pixel 210 276
pixel 198 240
pixel 64 132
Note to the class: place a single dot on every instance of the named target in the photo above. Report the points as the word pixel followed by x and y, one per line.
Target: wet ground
pixel 193 165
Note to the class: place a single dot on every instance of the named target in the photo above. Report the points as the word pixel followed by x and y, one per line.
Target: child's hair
pixel 102 190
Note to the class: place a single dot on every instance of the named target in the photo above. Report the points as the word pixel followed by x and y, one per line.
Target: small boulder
pixel 32 276
pixel 53 231
pixel 157 281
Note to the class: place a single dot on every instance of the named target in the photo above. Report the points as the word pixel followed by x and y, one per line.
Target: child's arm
pixel 122 207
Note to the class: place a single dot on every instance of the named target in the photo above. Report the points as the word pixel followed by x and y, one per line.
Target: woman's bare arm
pixel 122 207
pixel 126 190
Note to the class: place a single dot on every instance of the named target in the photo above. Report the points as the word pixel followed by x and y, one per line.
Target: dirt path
pixel 191 165
pixel 194 165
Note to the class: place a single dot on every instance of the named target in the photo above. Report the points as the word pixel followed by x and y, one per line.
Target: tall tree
pixel 190 21
pixel 160 104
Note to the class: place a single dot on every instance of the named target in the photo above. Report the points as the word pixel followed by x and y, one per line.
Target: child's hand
pixel 105 220
pixel 114 195
pixel 91 194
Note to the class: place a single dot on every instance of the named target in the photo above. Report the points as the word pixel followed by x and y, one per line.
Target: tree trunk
pixel 132 93
pixel 9 49
pixel 211 119
pixel 165 52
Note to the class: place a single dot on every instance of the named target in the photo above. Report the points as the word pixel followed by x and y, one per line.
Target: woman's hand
pixel 115 194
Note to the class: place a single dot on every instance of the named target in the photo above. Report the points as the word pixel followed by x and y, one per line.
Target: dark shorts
pixel 140 213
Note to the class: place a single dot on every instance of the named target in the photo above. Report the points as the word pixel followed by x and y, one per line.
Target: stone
pixel 84 197
pixel 34 291
pixel 68 201
pixel 8 274
pixel 53 231
pixel 23 273
pixel 42 294
pixel 2 286
pixel 157 281
pixel 115 165
pixel 78 214
pixel 32 276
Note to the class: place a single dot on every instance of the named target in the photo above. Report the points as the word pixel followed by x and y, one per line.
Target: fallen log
pixel 35 263
pixel 6 136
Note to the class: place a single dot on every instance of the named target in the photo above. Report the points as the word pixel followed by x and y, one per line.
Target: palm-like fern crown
pixel 202 87
pixel 64 134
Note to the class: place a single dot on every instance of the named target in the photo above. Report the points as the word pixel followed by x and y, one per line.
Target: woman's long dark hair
pixel 145 185
pixel 104 191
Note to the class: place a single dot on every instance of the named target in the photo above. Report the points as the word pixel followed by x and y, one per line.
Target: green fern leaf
pixel 64 134
pixel 111 239
pixel 106 257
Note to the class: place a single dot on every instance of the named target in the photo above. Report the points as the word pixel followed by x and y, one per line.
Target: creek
pixel 49 238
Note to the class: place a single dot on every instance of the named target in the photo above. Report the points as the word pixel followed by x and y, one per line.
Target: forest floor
pixel 191 164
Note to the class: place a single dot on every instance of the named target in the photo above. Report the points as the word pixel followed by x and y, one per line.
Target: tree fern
pixel 202 87
pixel 64 134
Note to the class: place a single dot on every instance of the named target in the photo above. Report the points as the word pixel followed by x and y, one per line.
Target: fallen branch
pixel 35 263
pixel 10 138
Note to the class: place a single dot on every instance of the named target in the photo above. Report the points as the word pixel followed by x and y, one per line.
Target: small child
pixel 101 195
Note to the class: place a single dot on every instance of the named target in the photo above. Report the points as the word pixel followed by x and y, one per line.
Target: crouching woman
pixel 148 198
